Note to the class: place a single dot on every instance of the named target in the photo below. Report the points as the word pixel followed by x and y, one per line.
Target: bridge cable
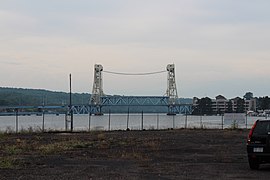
pixel 135 74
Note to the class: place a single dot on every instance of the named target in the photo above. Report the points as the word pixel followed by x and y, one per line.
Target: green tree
pixel 248 96
pixel 3 102
pixel 264 103
pixel 230 107
pixel 240 105
pixel 204 107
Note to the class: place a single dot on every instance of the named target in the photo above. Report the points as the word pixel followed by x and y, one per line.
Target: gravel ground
pixel 170 154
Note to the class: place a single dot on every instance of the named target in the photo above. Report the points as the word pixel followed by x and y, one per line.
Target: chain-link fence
pixel 107 122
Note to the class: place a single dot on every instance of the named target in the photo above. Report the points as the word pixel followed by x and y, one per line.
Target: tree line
pixel 37 97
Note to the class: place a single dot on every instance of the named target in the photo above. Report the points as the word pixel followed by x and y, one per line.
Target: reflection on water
pixel 116 122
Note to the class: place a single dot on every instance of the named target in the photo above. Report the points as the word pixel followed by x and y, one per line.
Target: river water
pixel 115 122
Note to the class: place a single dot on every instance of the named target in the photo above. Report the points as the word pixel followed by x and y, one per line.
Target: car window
pixel 262 127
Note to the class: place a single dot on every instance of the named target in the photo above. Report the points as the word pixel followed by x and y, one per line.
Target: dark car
pixel 258 144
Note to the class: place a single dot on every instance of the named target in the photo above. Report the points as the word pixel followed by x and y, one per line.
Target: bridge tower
pixel 97 90
pixel 171 88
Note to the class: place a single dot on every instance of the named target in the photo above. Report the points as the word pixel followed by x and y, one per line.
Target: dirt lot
pixel 170 154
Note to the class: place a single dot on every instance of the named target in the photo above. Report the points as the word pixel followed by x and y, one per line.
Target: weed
pixel 63 146
pixel 101 137
pixel 13 150
pixel 234 125
pixel 197 128
pixel 53 148
pixel 79 144
pixel 135 154
pixel 2 135
pixel 153 145
pixel 38 129
pixel 9 130
pixel 7 163
pixel 30 130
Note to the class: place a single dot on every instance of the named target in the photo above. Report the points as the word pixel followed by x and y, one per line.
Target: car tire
pixel 253 164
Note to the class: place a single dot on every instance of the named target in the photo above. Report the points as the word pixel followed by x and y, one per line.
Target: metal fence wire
pixel 109 122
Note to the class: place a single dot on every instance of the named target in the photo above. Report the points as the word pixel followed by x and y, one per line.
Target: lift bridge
pixel 99 100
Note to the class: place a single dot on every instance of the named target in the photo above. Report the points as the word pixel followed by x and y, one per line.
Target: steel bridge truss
pixel 106 102
pixel 134 101
pixel 129 101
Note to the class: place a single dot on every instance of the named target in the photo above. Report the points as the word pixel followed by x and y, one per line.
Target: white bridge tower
pixel 97 90
pixel 171 87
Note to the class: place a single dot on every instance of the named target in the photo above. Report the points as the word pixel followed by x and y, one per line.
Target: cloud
pixel 211 42
pixel 14 23
pixel 10 62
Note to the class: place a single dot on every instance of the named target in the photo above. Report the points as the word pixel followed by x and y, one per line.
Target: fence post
pixel 109 128
pixel 66 124
pixel 246 120
pixel 186 121
pixel 71 121
pixel 43 120
pixel 173 121
pixel 142 120
pixel 157 121
pixel 127 118
pixel 16 112
pixel 201 121
pixel 222 122
pixel 89 121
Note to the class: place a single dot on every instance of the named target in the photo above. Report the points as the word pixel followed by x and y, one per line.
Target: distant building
pixel 220 104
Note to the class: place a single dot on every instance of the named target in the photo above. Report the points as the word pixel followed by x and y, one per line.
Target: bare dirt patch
pixel 170 154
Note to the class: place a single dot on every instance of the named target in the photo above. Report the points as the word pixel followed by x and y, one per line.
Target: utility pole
pixel 70 104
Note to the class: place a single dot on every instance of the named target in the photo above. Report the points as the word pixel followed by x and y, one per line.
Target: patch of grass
pixel 7 163
pixel 64 146
pixel 79 144
pixel 152 145
pixel 30 130
pixel 132 155
pixel 13 150
pixel 2 135
pixel 101 136
pixel 53 148
pixel 234 125
pixel 201 127
pixel 9 130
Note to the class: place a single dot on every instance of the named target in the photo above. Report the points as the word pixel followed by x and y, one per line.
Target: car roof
pixel 264 120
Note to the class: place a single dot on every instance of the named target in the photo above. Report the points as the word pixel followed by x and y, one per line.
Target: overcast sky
pixel 217 46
